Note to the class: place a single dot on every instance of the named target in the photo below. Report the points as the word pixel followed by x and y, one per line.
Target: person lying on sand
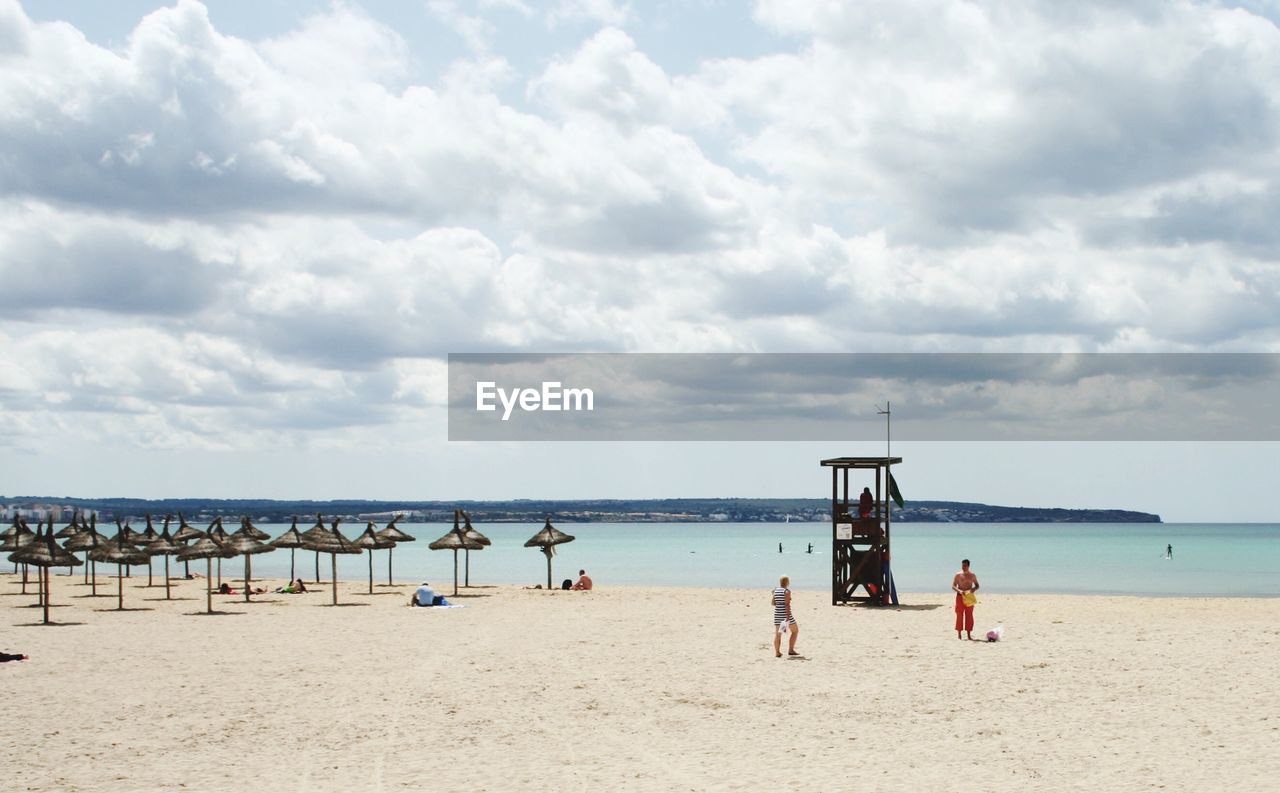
pixel 4 657
pixel 226 589
pixel 293 588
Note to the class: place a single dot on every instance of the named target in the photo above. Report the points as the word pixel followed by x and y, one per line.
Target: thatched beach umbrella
pixel 144 539
pixel 332 542
pixel 15 537
pixel 185 534
pixel 547 539
pixel 315 533
pixel 86 541
pixel 119 552
pixel 163 545
pixel 45 554
pixel 369 540
pixel 206 548
pixel 216 533
pixel 243 542
pixel 391 532
pixel 70 530
pixel 472 534
pixel 455 540
pixel 292 540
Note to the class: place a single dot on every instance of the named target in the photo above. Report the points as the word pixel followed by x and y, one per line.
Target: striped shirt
pixel 780 614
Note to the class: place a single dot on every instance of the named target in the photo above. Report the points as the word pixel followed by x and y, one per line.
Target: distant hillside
pixel 667 510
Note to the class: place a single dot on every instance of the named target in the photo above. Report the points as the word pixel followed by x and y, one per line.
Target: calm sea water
pixel 1126 558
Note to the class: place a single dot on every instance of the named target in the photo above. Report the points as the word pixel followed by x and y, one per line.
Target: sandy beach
pixel 634 689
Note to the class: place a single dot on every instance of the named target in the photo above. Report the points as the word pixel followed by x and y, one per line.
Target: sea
pixel 1209 559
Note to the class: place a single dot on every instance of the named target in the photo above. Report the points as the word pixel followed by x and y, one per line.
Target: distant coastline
pixel 665 510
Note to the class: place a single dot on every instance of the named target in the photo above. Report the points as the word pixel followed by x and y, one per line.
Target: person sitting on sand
pixel 584 581
pixel 424 596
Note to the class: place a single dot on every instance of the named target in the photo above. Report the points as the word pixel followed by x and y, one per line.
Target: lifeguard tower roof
pixel 860 462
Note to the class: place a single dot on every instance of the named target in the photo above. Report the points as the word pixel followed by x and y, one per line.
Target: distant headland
pixel 660 510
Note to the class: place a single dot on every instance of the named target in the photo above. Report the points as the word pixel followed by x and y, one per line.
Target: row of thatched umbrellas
pixel 130 548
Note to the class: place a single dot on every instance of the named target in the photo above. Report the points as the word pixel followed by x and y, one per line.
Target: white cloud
pixel 200 232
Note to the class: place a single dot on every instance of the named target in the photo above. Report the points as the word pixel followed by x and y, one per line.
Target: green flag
pixel 894 493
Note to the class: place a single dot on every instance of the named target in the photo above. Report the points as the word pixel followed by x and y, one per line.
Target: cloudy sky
pixel 237 241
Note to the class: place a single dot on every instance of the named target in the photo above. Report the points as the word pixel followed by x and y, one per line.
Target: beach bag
pixel 996 633
pixel 969 599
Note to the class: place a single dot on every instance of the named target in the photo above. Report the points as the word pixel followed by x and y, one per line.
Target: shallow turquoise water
pixel 1209 559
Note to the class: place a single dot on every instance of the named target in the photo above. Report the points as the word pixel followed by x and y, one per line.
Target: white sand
pixel 635 689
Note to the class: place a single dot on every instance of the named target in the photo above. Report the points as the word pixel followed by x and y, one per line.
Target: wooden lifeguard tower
pixel 859 545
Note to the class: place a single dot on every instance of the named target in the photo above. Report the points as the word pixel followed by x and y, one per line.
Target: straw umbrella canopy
pixel 119 552
pixel 332 542
pixel 44 553
pixel 547 539
pixel 292 540
pixel 70 530
pixel 185 534
pixel 163 545
pixel 247 527
pixel 243 542
pixel 455 540
pixel 396 536
pixel 369 540
pixel 206 548
pixel 471 533
pixel 86 541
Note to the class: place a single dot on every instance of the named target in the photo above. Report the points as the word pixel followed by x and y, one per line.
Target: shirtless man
pixel 964 583
pixel 584 581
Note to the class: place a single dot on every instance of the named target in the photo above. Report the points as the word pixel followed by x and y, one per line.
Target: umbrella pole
pixel 40 571
pixel 86 567
pixel 455 572
pixel 219 572
pixel 119 589
pixel 291 553
pixel 467 554
pixel 166 578
pixel 334 558
pixel 548 571
pixel 93 590
pixel 317 567
pixel 128 571
pixel 370 571
pixel 46 594
pixel 24 578
pixel 208 581
pixel 148 573
pixel 247 572
pixel 390 551
pixel 186 568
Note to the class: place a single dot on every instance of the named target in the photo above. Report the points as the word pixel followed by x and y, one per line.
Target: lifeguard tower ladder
pixel 859 545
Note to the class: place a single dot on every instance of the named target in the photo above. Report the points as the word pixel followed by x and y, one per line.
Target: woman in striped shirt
pixel 782 619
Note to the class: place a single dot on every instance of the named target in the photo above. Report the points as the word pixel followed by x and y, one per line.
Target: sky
pixel 238 241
